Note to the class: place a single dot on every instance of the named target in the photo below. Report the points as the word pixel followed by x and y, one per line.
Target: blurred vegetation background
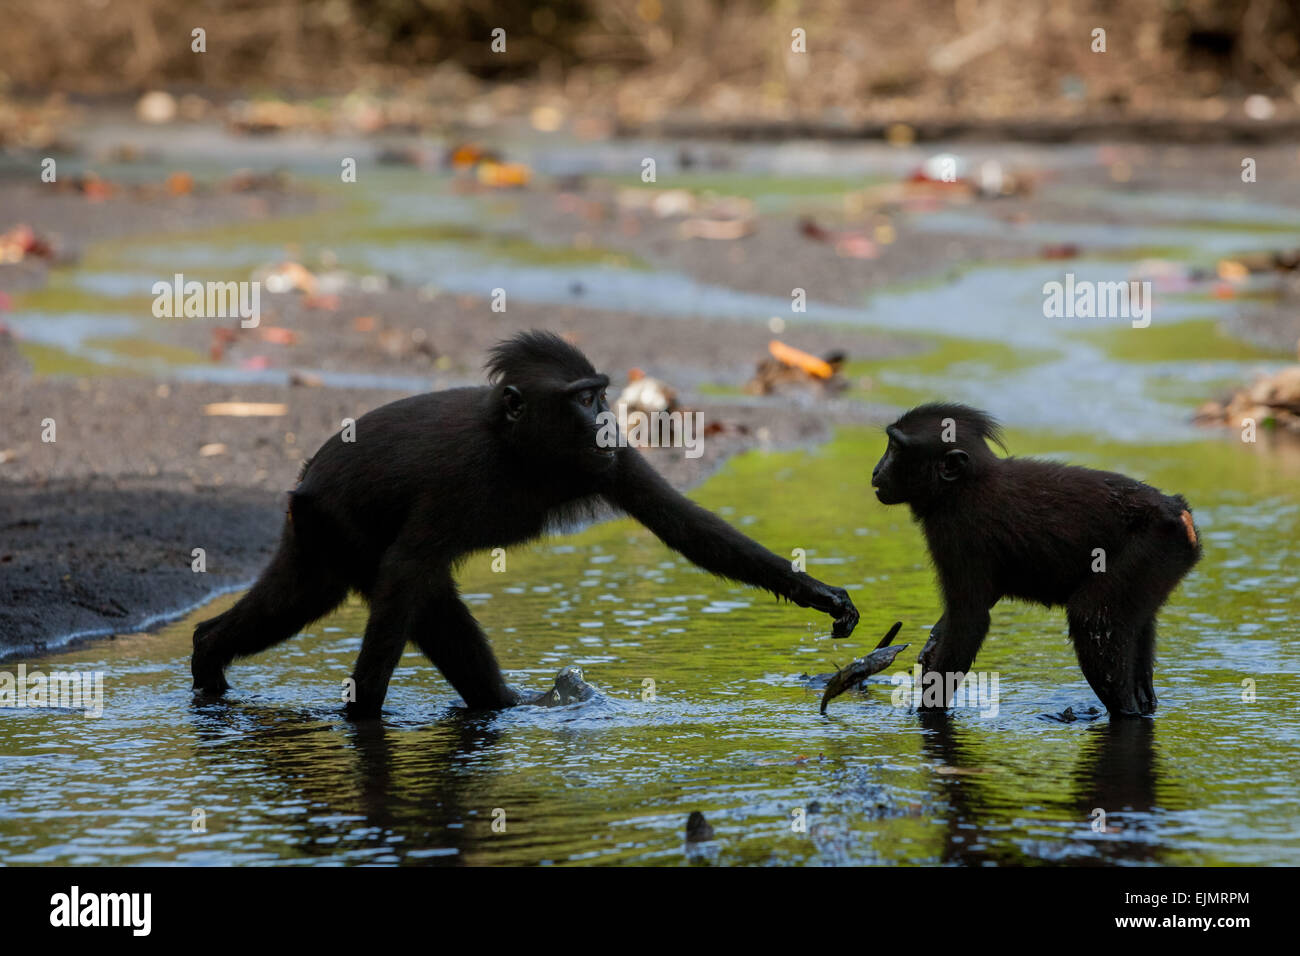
pixel 642 59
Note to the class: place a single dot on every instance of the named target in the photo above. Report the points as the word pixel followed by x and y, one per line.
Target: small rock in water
pixel 698 829
pixel 570 687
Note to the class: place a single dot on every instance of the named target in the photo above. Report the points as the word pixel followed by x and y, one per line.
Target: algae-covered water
pixel 705 702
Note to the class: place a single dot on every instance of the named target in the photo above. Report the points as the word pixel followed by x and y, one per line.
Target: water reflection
pixel 365 791
pixel 1115 772
pixel 1118 774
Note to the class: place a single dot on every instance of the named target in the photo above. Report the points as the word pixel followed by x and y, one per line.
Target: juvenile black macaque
pixel 1038 531
pixel 433 478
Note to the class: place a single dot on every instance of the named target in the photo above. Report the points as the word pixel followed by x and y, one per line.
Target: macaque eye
pixel 586 398
pixel 603 398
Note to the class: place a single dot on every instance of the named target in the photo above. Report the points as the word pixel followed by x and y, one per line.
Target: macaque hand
pixel 928 653
pixel 837 603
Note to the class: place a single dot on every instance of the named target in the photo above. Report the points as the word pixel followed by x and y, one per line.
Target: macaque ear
pixel 514 403
pixel 954 465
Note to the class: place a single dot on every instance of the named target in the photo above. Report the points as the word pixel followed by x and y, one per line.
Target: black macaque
pixel 433 478
pixel 1026 529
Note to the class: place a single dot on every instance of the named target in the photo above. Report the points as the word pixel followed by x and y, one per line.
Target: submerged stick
pixel 859 670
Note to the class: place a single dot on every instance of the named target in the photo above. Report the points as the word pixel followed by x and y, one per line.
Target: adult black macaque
pixel 433 478
pixel 1020 528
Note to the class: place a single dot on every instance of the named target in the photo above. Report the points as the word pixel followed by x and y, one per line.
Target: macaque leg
pixel 396 599
pixel 1114 640
pixel 1109 654
pixel 448 635
pixel 292 592
pixel 951 650
pixel 381 649
pixel 1145 669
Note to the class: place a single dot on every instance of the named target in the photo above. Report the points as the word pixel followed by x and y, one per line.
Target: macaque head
pixel 551 402
pixel 933 451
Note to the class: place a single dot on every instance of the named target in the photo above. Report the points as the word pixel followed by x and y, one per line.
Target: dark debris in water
pixel 1068 716
pixel 859 670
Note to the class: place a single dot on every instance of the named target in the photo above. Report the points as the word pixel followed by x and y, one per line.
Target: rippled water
pixel 732 729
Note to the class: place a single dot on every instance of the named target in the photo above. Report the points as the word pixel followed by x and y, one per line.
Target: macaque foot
pixel 209 674
pixel 358 712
